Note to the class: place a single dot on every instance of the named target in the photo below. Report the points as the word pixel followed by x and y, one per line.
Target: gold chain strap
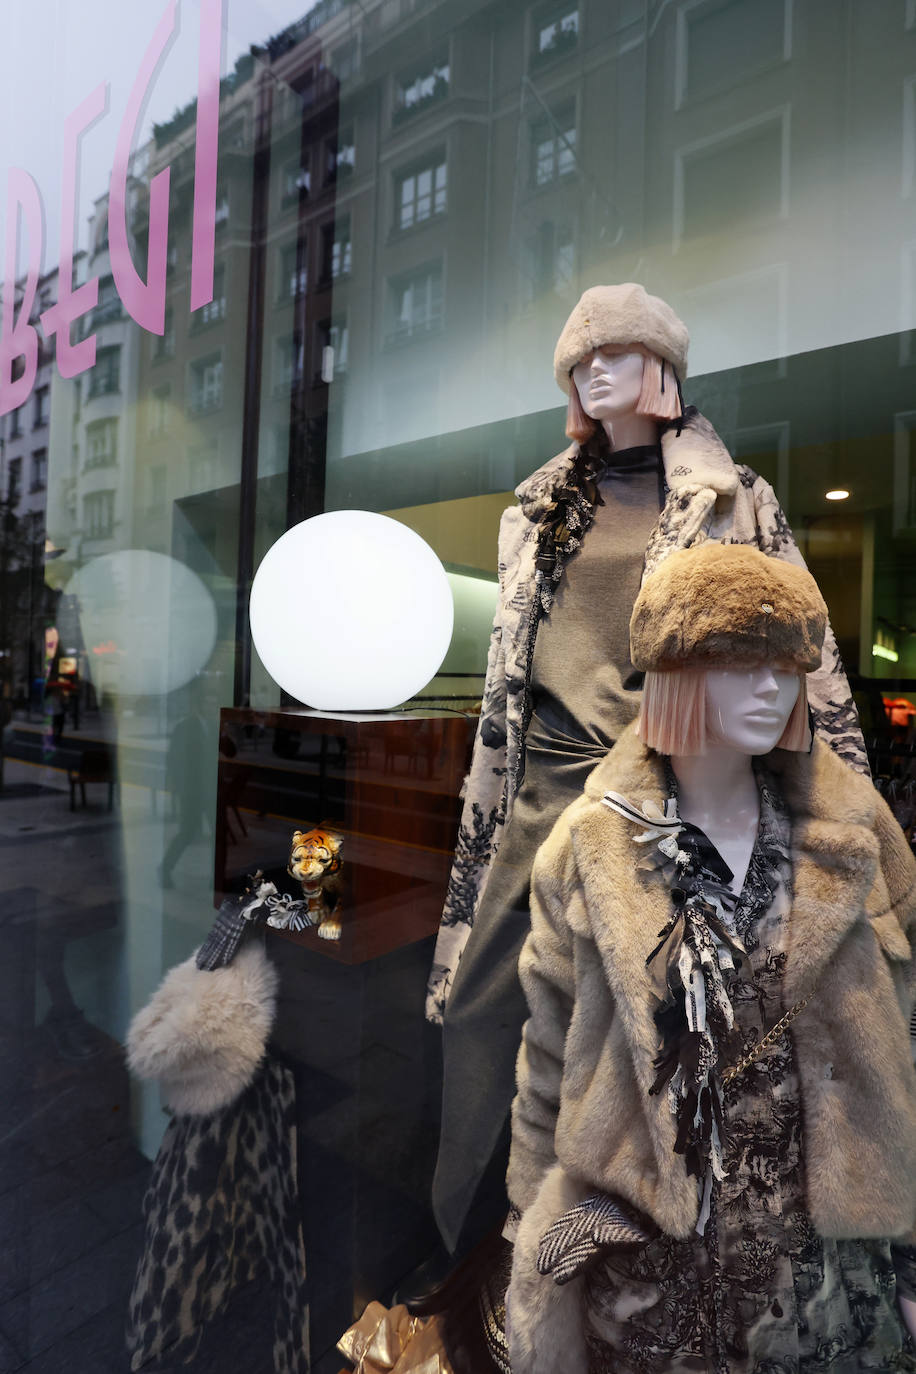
pixel 765 1042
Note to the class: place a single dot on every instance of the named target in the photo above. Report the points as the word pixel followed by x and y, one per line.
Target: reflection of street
pixel 71 1177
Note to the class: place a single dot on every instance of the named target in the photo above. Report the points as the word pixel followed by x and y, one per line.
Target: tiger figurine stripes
pixel 315 861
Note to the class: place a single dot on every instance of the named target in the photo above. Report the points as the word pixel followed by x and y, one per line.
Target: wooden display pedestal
pixel 350 1019
pixel 388 783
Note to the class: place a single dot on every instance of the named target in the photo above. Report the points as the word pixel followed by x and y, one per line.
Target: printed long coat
pixel 709 497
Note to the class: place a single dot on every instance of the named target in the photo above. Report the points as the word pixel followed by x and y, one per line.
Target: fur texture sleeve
pixel 835 716
pixel 547 974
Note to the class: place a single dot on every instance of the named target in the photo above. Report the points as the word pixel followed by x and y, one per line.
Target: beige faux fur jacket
pixel 583 1118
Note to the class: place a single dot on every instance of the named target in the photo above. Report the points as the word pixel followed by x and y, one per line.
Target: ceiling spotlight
pixel 838 494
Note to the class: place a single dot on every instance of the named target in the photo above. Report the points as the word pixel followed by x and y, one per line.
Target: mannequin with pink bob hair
pixel 673 716
pixel 659 398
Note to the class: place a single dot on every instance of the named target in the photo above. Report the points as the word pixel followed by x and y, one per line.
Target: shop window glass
pixel 288 370
pixel 421 193
pixel 557 34
pixel 293 276
pixel 297 180
pixel 554 147
pixel 340 157
pixel 101 443
pixel 333 348
pixel 417 304
pixel 421 88
pixel 98 514
pixel 109 306
pixel 158 479
pixel 38 471
pixel 214 310
pixel 42 404
pixel 337 249
pixel 160 403
pixel 164 343
pixel 206 385
pixel 105 377
pixel 14 481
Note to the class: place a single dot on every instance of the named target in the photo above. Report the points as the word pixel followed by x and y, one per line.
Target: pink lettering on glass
pixel 144 301
pixel 74 358
pixel 203 242
pixel 18 338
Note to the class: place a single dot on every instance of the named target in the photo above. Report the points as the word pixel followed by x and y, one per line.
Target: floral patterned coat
pixel 709 496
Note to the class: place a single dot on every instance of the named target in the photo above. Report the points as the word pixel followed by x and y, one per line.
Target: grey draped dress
pixel 585 692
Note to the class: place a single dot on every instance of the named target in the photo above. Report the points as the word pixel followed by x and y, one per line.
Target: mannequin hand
pixel 908 1312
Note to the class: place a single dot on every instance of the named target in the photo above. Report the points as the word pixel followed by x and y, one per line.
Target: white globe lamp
pixel 351 611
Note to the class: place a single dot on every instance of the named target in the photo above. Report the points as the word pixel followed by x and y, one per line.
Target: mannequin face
pixel 748 706
pixel 609 382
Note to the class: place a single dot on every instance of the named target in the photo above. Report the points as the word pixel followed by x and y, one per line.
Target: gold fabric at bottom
pixel 392 1340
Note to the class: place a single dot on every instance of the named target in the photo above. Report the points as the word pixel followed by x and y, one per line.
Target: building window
pixel 422 193
pixel 553 143
pixel 102 443
pixel 221 216
pixel 416 302
pixel 216 309
pixel 556 34
pixel 293 273
pixel 206 391
pixel 41 403
pixel 421 88
pixel 337 249
pixel 551 261
pixel 164 343
pixel 39 473
pixel 202 466
pixel 109 305
pixel 340 156
pixel 288 363
pixel 333 348
pixel 15 423
pixel 296 180
pixel 98 514
pixel 345 60
pixel 156 478
pixel 160 403
pixel 14 481
pixel 105 377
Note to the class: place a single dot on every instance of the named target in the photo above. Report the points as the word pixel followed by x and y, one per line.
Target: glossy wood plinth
pixel 388 782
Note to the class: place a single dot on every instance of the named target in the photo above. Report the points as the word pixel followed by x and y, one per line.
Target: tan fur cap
pixel 717 604
pixel 624 314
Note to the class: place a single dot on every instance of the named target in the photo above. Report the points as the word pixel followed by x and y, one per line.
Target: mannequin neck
pixel 630 431
pixel 717 792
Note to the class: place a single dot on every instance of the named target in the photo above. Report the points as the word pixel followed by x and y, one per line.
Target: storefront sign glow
pixel 143 299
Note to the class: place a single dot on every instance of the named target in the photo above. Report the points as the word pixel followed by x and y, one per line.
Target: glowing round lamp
pixel 351 611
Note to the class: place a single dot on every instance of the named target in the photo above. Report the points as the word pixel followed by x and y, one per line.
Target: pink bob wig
pixel 658 398
pixel 672 717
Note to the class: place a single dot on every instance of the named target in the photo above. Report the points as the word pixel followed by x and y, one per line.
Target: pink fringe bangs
pixel 672 717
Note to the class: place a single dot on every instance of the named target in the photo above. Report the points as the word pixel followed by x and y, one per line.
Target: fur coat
pixel 583 1118
pixel 708 497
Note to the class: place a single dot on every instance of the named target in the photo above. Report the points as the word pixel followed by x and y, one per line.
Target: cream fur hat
pixel 718 604
pixel 624 314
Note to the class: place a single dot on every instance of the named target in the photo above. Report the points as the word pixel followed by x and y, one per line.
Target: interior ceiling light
pixel 838 494
pixel 882 651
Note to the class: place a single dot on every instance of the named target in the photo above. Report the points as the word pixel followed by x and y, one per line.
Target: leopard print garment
pixel 222 1209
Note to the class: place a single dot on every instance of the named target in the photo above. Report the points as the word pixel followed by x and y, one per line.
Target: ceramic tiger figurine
pixel 315 861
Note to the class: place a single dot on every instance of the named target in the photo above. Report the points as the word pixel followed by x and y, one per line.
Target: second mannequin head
pixel 617 380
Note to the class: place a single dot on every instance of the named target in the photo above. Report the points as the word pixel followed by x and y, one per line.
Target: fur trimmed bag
pixel 203 1032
